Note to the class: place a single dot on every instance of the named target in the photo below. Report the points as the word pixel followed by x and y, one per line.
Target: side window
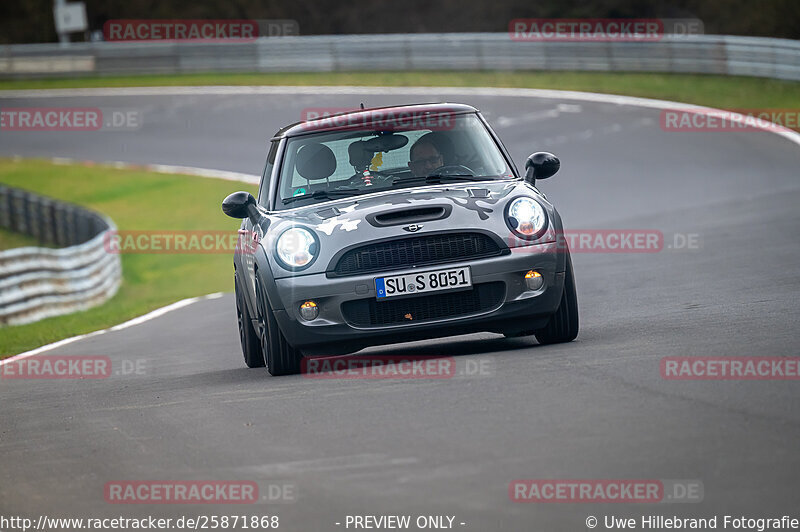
pixel 263 188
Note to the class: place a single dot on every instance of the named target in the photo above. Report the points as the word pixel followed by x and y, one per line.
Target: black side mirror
pixel 241 205
pixel 541 165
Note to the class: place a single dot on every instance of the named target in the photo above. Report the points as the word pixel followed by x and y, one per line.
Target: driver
pixel 425 158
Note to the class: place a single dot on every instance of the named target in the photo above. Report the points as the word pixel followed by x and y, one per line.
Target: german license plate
pixel 423 282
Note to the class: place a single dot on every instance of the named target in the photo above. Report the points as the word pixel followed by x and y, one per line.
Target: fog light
pixel 309 311
pixel 534 280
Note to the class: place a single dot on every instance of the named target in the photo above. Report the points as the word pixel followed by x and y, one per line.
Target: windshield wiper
pixel 457 177
pixel 325 194
pixel 437 178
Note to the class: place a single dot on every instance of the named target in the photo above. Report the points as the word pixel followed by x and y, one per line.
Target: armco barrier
pixel 704 54
pixel 37 282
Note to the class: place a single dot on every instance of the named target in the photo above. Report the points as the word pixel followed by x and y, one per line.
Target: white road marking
pixel 130 323
pixel 527 118
pixel 165 169
pixel 535 116
pixel 336 463
pixel 588 133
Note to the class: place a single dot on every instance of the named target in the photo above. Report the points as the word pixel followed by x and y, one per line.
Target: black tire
pixel 281 357
pixel 563 325
pixel 248 336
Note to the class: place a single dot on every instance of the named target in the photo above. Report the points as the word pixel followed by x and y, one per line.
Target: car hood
pixel 347 222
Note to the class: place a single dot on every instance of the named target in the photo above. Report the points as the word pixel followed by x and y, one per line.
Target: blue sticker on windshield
pixel 299 192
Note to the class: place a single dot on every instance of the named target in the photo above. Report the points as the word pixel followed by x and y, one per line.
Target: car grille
pixel 415 251
pixel 373 313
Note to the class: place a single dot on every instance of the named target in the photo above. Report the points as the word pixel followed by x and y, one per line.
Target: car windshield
pixel 352 160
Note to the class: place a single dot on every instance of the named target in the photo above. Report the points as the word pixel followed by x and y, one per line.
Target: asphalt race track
pixel 592 409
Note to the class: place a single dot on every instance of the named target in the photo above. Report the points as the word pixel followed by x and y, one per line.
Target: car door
pixel 249 236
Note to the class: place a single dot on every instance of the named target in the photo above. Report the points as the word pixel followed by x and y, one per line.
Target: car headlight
pixel 296 248
pixel 526 218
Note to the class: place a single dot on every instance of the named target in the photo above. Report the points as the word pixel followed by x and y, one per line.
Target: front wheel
pixel 281 357
pixel 251 343
pixel 563 325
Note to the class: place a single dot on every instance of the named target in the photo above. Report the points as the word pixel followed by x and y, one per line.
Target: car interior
pixel 365 159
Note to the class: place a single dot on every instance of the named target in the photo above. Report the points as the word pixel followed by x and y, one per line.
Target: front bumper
pixel 516 310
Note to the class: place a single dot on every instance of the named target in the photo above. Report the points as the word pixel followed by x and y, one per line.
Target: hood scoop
pixel 478 193
pixel 408 215
pixel 329 212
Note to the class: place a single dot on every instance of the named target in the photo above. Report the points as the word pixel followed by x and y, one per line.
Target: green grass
pixel 135 200
pixel 717 91
pixel 10 239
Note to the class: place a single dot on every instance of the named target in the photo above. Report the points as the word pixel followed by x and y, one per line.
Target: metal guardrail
pixel 37 282
pixel 704 54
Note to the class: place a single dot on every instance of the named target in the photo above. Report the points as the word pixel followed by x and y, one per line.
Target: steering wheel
pixel 452 169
